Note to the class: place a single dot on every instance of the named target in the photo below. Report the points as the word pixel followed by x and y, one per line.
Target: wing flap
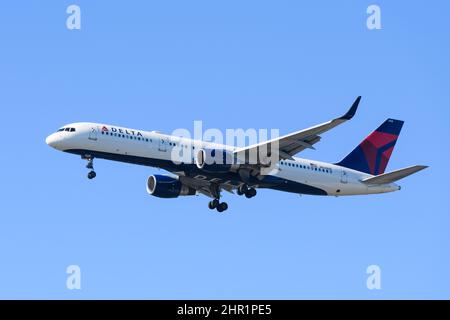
pixel 204 186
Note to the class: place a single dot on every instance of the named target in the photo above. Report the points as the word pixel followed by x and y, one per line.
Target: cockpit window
pixel 66 129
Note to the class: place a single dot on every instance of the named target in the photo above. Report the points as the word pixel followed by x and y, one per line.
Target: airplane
pixel 361 172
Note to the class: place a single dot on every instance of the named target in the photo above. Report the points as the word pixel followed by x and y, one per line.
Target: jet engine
pixel 215 160
pixel 167 187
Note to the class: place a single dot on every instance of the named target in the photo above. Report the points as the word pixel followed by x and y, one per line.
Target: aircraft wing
pixel 205 187
pixel 295 142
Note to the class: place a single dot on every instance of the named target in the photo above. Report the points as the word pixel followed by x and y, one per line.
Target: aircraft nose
pixel 53 140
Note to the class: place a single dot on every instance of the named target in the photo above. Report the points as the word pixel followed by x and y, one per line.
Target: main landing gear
pixel 216 204
pixel 219 206
pixel 245 190
pixel 90 165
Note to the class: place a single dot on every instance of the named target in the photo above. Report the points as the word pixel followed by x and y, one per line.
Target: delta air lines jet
pixel 360 172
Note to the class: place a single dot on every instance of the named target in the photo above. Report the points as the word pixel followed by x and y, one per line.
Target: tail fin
pixel 373 153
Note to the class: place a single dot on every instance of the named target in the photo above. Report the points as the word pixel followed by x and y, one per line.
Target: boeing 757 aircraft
pixel 360 172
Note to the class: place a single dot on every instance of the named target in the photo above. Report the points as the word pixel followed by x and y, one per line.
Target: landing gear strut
pixel 245 190
pixel 90 165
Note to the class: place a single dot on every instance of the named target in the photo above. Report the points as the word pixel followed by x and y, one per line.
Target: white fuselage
pixel 136 146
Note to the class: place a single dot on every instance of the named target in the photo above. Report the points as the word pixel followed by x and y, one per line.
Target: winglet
pixel 351 112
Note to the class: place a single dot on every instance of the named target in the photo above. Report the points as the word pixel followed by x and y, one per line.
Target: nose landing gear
pixel 90 165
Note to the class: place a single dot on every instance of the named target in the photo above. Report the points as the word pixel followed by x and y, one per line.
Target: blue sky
pixel 158 65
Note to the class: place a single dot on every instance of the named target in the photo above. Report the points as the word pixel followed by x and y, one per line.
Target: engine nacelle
pixel 167 187
pixel 215 160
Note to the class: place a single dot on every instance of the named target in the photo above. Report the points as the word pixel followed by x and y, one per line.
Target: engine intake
pixel 167 187
pixel 215 160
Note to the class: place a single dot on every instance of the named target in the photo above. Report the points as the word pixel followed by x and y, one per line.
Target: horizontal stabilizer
pixel 394 175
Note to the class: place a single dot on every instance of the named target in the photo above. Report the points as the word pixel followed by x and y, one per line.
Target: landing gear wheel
pixel 213 204
pixel 250 193
pixel 242 189
pixel 222 207
pixel 91 175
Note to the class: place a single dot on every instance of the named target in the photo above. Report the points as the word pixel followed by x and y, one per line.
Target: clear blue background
pixel 160 65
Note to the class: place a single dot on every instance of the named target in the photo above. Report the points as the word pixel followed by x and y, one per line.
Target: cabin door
pixel 93 134
pixel 162 144
pixel 344 176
